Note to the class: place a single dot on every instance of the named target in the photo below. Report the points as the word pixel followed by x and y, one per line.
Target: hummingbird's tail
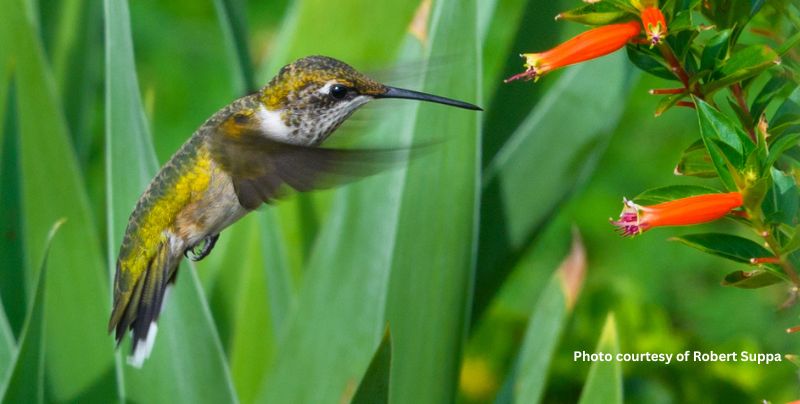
pixel 138 296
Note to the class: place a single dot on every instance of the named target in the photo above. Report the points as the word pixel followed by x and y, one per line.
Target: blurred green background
pixel 457 253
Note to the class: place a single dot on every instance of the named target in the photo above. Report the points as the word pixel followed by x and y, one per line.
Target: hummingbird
pixel 252 151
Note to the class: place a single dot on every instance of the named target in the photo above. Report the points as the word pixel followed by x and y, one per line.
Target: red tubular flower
pixel 636 219
pixel 585 46
pixel 655 26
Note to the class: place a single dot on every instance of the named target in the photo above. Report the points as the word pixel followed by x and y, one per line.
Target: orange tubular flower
pixel 636 219
pixel 655 26
pixel 586 46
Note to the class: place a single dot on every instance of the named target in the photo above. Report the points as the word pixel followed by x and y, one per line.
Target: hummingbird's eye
pixel 338 91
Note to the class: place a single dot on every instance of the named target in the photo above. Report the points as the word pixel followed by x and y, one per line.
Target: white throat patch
pixel 272 124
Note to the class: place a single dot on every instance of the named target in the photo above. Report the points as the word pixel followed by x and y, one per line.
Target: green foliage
pixel 427 343
pixel 49 171
pixel 547 322
pixel 600 13
pixel 24 380
pixel 374 386
pixel 671 192
pixel 604 382
pixel 455 251
pixel 728 246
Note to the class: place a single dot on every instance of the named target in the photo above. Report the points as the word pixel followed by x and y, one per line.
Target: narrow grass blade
pixel 12 248
pixel 507 105
pixel 604 383
pixel 77 61
pixel 8 344
pixel 492 353
pixel 497 25
pixel 5 80
pixel 355 31
pixel 10 253
pixel 534 171
pixel 281 288
pixel 232 22
pixel 433 258
pixel 374 386
pixel 25 382
pixel 49 171
pixel 187 364
pixel 253 333
pixel 546 325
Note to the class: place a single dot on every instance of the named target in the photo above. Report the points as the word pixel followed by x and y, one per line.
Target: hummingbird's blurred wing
pixel 262 168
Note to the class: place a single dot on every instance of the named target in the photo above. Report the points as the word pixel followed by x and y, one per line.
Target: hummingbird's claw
pixel 208 244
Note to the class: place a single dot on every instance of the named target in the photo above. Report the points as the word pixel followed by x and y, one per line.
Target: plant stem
pixel 785 265
pixel 746 117
pixel 676 67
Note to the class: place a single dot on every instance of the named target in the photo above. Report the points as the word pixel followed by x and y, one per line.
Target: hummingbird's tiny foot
pixel 208 244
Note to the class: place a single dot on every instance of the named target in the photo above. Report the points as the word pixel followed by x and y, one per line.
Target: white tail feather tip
pixel 142 349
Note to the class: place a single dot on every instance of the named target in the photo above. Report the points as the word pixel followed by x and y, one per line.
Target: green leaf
pixel 12 249
pixel 374 386
pixel 77 57
pixel 254 329
pixel 546 324
pixel 5 80
pixel 356 31
pixel 438 223
pixel 517 199
pixel 623 5
pixel 715 50
pixel 771 91
pixel 649 61
pixel 751 279
pixel 187 363
pixel 498 28
pixel 789 44
pixel 8 345
pixel 726 141
pixel 682 21
pixel 604 382
pixel 601 13
pixel 232 22
pixel 782 200
pixel 743 64
pixel 787 117
pixel 25 381
pixel 730 13
pixel 695 162
pixel 668 102
pixel 728 246
pixel 781 145
pixel 670 193
pixel 78 291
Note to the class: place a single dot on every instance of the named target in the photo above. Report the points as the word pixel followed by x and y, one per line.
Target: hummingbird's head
pixel 313 96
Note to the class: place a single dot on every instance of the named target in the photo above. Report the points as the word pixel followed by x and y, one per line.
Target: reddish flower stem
pixel 666 91
pixel 765 260
pixel 687 104
pixel 773 245
pixel 746 118
pixel 674 64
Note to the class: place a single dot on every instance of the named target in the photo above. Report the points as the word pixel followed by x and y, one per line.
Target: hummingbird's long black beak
pixel 394 92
